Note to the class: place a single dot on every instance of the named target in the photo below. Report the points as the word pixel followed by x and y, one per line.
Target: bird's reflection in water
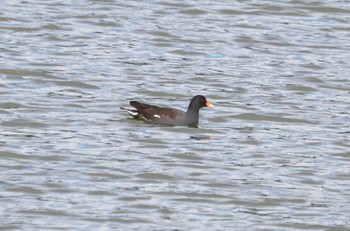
pixel 201 137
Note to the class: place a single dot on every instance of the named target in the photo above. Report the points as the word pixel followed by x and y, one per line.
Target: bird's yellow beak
pixel 209 104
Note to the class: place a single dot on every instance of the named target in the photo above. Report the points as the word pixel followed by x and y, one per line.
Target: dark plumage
pixel 169 116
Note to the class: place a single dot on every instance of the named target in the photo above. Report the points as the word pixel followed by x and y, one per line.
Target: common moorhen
pixel 169 116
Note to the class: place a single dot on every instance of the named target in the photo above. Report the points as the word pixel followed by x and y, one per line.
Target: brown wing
pixel 152 112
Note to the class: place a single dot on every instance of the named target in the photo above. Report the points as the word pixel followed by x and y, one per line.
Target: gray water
pixel 273 154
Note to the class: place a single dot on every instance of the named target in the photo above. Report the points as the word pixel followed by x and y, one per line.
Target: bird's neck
pixel 192 110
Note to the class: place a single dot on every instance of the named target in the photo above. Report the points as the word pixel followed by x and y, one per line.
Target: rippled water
pixel 273 154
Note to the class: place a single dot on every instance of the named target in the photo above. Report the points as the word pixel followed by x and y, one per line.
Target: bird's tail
pixel 132 112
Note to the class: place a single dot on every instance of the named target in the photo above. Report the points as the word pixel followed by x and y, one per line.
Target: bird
pixel 169 116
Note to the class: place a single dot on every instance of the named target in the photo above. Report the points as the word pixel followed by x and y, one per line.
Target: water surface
pixel 273 154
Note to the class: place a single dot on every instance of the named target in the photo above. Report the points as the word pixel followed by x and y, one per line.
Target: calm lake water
pixel 273 154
